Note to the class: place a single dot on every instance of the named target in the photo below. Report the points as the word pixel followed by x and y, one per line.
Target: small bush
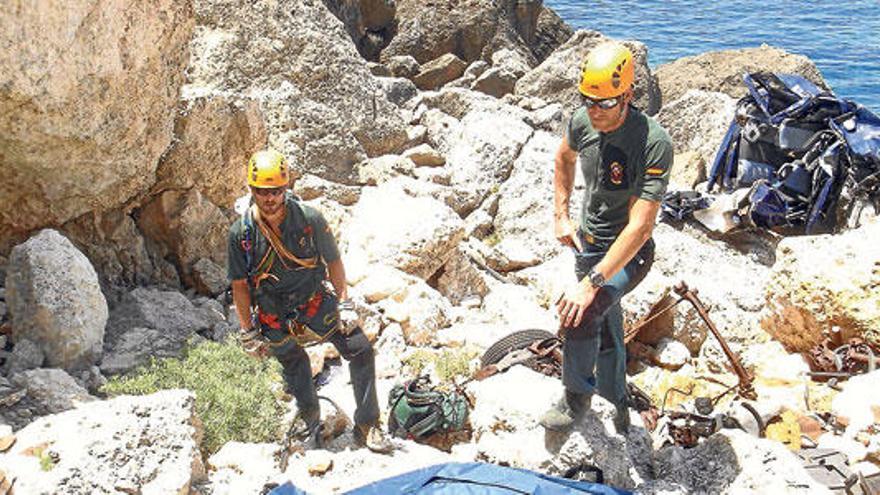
pixel 234 397
pixel 454 363
pixel 419 360
pixel 448 365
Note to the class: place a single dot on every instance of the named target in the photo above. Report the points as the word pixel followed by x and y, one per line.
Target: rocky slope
pixel 430 153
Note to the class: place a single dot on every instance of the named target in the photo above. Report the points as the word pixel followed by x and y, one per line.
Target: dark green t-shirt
pixel 305 233
pixel 632 161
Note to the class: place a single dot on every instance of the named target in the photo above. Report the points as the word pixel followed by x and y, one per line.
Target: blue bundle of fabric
pixel 811 159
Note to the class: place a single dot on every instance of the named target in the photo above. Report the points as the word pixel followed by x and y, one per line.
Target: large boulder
pixel 146 445
pixel 323 107
pixel 723 70
pixel 472 30
pixel 89 88
pixel 56 301
pixel 214 138
pixel 150 322
pixel 825 281
pixel 697 123
pixel 556 79
pixel 388 226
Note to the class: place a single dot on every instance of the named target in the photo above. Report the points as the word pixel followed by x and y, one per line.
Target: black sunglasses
pixel 268 191
pixel 606 104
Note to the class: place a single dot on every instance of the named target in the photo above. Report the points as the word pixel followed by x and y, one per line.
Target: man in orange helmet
pixel 281 256
pixel 626 159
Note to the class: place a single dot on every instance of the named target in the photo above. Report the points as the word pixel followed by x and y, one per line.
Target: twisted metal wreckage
pixel 693 422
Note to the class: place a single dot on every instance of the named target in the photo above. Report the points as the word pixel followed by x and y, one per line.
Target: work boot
pixel 621 420
pixel 306 430
pixel 570 408
pixel 314 437
pixel 372 437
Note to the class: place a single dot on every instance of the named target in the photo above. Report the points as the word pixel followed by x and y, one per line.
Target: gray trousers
pixel 357 350
pixel 594 355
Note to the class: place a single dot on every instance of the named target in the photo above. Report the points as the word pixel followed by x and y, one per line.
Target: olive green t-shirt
pixel 305 233
pixel 632 161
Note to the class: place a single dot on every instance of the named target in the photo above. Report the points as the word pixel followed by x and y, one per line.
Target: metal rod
pixel 745 379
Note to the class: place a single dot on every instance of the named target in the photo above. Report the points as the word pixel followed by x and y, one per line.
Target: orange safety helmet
pixel 608 71
pixel 267 168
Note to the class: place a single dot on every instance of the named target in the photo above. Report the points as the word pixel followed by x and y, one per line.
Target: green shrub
pixel 234 397
pixel 448 365
pixel 418 361
pixel 454 363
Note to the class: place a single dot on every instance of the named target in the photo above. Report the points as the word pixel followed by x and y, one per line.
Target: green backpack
pixel 417 410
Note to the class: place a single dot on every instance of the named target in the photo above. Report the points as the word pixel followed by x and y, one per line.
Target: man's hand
pixel 349 319
pixel 572 305
pixel 252 342
pixel 566 233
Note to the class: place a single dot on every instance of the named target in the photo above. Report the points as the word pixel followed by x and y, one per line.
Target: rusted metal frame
pixel 745 378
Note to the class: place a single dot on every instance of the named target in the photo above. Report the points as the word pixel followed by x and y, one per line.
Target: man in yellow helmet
pixel 626 159
pixel 281 257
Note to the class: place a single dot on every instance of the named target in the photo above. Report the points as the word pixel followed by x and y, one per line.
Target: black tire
pixel 513 342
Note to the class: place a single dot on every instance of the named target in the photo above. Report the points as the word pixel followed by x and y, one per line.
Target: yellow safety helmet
pixel 267 168
pixel 607 72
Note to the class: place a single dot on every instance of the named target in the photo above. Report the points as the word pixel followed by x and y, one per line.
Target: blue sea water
pixel 841 37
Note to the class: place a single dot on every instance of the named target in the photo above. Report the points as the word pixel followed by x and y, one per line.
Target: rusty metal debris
pixel 684 428
pixel 685 293
pixel 832 361
pixel 687 427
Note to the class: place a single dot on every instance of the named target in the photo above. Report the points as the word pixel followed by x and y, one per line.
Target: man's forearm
pixel 623 249
pixel 336 274
pixel 241 297
pixel 563 180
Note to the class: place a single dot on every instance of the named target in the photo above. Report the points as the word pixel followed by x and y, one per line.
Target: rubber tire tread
pixel 513 342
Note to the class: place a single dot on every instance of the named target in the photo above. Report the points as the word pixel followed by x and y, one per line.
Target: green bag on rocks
pixel 418 409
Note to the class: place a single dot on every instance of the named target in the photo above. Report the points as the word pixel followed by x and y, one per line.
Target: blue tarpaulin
pixel 471 478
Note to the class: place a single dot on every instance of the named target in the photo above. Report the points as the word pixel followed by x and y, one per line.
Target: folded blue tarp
pixel 472 478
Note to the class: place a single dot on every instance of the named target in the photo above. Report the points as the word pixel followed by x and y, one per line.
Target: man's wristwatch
pixel 596 278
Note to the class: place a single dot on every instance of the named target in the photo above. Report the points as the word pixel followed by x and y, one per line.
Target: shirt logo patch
pixel 615 171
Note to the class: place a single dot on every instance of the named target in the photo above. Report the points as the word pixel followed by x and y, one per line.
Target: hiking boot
pixel 306 430
pixel 621 420
pixel 570 408
pixel 372 437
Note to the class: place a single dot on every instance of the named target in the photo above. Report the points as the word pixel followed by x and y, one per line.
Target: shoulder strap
pixel 247 231
pixel 277 245
pixel 309 214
